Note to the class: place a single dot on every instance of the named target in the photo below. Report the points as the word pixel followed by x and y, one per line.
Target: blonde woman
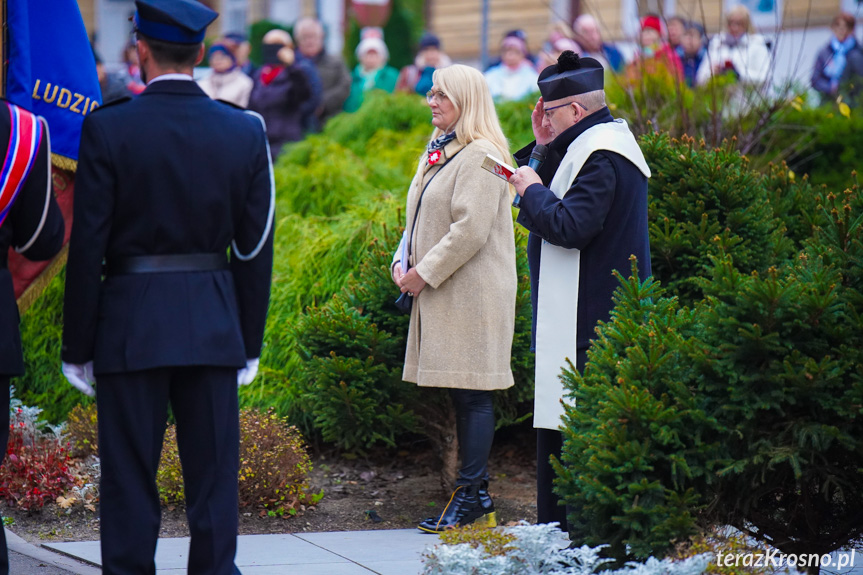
pixel 457 259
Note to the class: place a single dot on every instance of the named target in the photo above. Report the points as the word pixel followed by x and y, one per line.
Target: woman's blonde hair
pixel 467 90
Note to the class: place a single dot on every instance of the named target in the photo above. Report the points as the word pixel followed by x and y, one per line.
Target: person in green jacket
pixel 372 73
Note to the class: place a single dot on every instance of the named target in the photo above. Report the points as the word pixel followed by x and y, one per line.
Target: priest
pixel 586 210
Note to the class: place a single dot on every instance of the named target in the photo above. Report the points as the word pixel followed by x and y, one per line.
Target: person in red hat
pixel 655 55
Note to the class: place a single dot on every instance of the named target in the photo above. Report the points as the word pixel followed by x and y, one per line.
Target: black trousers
pixel 4 441
pixel 132 419
pixel 549 506
pixel 475 429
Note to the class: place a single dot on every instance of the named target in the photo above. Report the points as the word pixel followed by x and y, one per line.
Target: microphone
pixel 537 157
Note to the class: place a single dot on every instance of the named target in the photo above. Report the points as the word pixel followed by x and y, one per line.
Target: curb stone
pixel 18 545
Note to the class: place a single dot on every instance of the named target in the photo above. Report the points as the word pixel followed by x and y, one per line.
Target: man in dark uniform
pixel 586 211
pixel 168 184
pixel 33 226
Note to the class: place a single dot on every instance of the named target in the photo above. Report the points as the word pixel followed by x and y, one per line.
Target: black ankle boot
pixel 486 502
pixel 464 508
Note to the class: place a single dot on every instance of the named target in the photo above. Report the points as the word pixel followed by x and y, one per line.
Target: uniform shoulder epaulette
pixel 231 104
pixel 114 102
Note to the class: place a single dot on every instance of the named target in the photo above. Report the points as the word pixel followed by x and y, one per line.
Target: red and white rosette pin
pixel 434 157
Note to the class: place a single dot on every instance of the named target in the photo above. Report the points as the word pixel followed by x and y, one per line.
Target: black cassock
pixel 171 173
pixel 603 214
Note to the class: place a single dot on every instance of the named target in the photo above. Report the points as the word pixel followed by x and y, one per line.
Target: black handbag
pixel 406 301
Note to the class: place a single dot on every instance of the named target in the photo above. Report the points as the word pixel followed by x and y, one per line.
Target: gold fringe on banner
pixel 64 163
pixel 35 289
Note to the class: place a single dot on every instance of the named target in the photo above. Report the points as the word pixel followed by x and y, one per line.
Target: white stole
pixel 557 307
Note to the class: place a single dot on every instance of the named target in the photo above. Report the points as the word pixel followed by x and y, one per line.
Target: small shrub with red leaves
pixel 36 468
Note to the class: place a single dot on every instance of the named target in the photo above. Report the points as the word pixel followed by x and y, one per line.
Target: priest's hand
pixel 412 283
pixel 522 178
pixel 542 135
pixel 80 376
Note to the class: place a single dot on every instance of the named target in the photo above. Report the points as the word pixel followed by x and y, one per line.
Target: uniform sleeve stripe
pixel 254 253
pixel 48 191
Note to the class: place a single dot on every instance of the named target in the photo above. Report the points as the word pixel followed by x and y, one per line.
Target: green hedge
pixel 43 384
pixel 741 409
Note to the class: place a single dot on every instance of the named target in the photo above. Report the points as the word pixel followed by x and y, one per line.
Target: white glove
pixel 247 374
pixel 80 376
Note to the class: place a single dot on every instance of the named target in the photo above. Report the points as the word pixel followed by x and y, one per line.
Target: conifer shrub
pixel 354 349
pixel 743 410
pixel 400 113
pixel 639 449
pixel 351 381
pixel 706 202
pixel 43 383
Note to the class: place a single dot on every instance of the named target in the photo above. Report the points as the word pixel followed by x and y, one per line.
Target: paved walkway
pixel 382 552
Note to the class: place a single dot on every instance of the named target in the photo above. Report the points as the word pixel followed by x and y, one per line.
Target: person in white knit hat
pixel 372 73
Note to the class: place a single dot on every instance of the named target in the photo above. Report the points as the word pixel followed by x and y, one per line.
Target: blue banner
pixel 52 70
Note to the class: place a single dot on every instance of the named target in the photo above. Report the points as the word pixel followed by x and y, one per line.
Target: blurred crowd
pixel 299 85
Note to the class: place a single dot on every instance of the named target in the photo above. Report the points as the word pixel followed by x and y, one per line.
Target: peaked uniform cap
pixel 570 76
pixel 176 21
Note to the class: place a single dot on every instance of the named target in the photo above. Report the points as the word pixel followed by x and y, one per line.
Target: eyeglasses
pixel 432 94
pixel 548 116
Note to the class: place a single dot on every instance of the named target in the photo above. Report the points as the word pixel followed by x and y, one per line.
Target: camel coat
pixel 462 323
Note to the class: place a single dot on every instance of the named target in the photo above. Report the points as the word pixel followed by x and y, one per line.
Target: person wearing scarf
pixel 840 62
pixel 281 88
pixel 372 72
pixel 227 81
pixel 515 76
pixel 417 78
pixel 692 51
pixel 457 260
pixel 655 56
pixel 738 50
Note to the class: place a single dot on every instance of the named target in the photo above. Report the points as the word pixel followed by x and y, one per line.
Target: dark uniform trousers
pixel 170 174
pixel 34 222
pixel 132 414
